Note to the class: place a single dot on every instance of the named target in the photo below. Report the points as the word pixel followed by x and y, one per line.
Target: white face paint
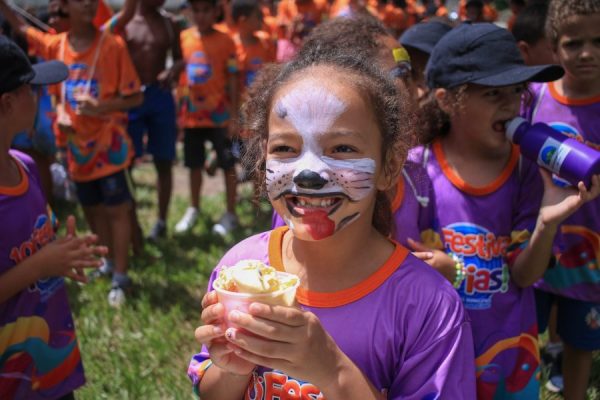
pixel 312 111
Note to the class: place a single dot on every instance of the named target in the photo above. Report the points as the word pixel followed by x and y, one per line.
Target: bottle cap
pixel 512 126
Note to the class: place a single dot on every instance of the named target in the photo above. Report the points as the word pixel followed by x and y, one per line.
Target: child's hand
pixel 438 259
pixel 286 339
pixel 211 334
pixel 559 203
pixel 68 256
pixel 89 106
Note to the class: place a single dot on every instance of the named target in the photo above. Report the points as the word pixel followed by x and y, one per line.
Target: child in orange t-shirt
pixel 254 48
pixel 91 126
pixel 209 103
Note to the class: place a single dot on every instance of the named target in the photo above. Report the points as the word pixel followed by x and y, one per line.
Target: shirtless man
pixel 150 35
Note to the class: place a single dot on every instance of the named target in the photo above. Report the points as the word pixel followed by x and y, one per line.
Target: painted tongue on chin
pixel 319 226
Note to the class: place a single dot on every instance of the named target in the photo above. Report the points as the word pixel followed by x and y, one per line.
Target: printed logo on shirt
pixel 485 265
pixel 592 319
pixel 43 233
pixel 198 69
pixel 277 385
pixel 573 133
pixel 255 65
pixel 77 84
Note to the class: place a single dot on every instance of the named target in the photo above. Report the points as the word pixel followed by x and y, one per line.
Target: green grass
pixel 141 351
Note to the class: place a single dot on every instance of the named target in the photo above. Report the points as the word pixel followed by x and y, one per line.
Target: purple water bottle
pixel 566 157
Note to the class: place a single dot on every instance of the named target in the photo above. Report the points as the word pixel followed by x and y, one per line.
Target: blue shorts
pixel 155 117
pixel 111 190
pixel 578 322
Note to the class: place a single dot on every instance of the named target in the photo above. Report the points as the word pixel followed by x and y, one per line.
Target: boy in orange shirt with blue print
pixel 91 126
pixel 208 103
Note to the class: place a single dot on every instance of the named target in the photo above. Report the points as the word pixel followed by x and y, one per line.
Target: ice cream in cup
pixel 252 281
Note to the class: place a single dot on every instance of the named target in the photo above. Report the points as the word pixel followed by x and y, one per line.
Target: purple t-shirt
pixel 39 354
pixel 416 345
pixel 487 227
pixel 576 273
pixel 411 206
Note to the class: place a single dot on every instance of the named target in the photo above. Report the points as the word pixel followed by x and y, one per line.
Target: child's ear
pixel 524 49
pixel 6 103
pixel 444 100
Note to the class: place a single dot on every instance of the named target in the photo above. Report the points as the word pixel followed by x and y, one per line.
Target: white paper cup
pixel 240 301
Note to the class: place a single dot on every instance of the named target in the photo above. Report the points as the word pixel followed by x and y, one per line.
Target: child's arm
pixel 117 23
pixel 62 257
pixel 15 21
pixel 95 108
pixel 557 205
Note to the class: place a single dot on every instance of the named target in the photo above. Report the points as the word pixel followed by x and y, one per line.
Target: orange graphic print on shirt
pixel 202 93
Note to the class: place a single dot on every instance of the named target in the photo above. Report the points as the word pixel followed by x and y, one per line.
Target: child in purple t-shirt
pixel 572 105
pixel 372 320
pixel 39 355
pixel 494 215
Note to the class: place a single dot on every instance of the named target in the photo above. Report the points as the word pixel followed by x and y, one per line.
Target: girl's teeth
pixel 315 202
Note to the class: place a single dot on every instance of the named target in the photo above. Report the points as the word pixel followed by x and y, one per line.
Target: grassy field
pixel 142 350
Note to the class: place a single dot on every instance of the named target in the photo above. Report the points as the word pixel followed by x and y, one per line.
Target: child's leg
pixel 90 198
pixel 164 170
pixel 577 365
pixel 193 157
pixel 578 326
pixel 120 229
pixel 195 186
pixel 223 147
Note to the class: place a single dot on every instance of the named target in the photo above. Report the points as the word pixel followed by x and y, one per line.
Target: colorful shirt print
pixel 100 146
pixel 487 227
pixel 416 346
pixel 252 57
pixel 576 272
pixel 211 59
pixel 39 355
pixel 311 12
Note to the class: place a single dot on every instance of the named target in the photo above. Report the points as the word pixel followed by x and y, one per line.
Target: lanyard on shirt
pixel 88 84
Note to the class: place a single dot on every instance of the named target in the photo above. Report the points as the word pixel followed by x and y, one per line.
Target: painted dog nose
pixel 307 179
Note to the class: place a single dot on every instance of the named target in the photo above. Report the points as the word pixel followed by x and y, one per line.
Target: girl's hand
pixel 559 203
pixel 438 259
pixel 286 339
pixel 89 106
pixel 211 334
pixel 68 256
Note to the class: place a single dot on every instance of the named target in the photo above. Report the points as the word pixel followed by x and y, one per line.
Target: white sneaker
pixel 187 221
pixel 116 296
pixel 226 224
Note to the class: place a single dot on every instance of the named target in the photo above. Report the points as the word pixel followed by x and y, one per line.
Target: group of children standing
pixel 363 156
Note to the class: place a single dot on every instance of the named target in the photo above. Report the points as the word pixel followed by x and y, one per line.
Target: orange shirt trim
pixel 569 101
pixel 342 297
pixel 397 201
pixel 23 185
pixel 457 181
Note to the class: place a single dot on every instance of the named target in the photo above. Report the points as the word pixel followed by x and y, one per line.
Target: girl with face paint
pixel 327 131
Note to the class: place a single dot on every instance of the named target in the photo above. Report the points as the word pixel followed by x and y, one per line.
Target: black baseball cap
pixel 483 54
pixel 424 35
pixel 16 70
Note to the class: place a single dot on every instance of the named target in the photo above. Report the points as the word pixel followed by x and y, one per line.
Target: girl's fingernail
pixel 230 334
pixel 217 330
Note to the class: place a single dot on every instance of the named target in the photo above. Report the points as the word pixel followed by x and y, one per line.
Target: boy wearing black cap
pixel 419 40
pixel 39 352
pixel 495 216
